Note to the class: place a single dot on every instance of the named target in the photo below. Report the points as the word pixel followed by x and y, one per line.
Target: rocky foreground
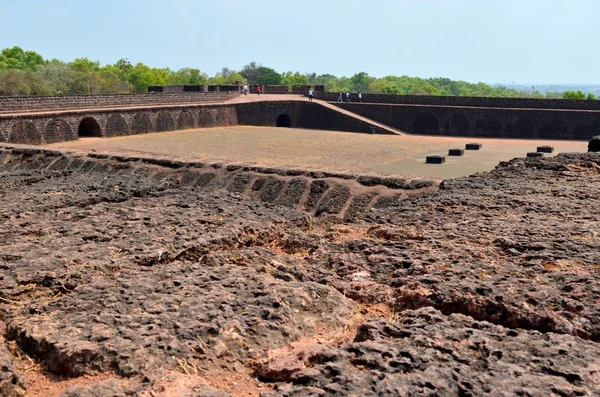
pixel 489 286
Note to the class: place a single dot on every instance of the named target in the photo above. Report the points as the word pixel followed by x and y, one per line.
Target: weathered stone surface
pixel 12 383
pixel 105 272
pixel 334 200
pixel 161 383
pixel 205 178
pixel 317 188
pixel 239 183
pixel 424 353
pixel 359 205
pixel 270 190
pixel 293 192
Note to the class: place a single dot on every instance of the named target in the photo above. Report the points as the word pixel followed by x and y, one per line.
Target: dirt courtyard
pixel 332 150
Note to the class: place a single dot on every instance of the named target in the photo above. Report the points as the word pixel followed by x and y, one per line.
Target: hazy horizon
pixel 537 42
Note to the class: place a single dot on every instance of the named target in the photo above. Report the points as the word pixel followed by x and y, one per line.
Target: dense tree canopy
pixel 28 73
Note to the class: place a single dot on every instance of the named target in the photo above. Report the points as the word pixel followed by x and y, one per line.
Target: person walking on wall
pixel 340 97
pixel 359 97
pixel 258 90
pixel 310 94
pixel 348 97
pixel 245 89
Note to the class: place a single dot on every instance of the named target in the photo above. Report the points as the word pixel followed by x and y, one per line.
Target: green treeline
pixel 28 73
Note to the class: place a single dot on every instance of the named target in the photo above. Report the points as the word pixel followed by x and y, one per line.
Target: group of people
pixel 348 99
pixel 245 89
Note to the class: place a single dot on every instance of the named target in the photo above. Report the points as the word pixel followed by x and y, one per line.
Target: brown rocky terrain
pixel 148 280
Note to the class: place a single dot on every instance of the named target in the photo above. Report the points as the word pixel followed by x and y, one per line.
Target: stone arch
pixel 488 126
pixel 284 120
pixel 164 121
pixel 520 127
pixel 224 117
pixel 58 130
pixel 23 131
pixel 116 125
pixel 185 121
pixel 426 123
pixel 459 124
pixel 141 124
pixel 205 119
pixel 89 127
pixel 585 129
pixel 554 128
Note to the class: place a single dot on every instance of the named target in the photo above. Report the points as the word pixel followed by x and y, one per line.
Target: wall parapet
pixel 429 100
pixel 36 103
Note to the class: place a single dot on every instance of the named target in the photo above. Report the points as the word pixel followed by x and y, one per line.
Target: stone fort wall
pixel 54 125
pixel 34 103
pixel 65 125
pixel 511 103
pixel 483 122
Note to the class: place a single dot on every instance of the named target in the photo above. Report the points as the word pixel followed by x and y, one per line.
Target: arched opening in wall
pixel 58 130
pixel 116 126
pixel 426 124
pixel 141 124
pixel 24 132
pixel 557 129
pixel 459 125
pixel 206 119
pixel 164 122
pixel 185 121
pixel 226 116
pixel 89 127
pixel 284 121
pixel 585 129
pixel 488 126
pixel 520 127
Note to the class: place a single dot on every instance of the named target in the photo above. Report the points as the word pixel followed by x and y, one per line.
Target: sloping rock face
pixel 489 286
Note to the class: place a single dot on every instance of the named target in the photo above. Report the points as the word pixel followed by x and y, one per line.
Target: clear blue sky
pixel 527 41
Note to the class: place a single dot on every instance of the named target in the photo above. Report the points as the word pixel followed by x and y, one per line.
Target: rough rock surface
pixel 424 353
pixel 490 285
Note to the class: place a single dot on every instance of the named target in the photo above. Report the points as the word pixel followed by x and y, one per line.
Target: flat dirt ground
pixel 331 150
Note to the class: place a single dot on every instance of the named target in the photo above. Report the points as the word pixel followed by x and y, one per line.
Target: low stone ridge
pixel 487 285
pixel 316 192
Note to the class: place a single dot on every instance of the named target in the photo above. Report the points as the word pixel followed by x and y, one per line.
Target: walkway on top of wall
pixel 296 97
pixel 106 109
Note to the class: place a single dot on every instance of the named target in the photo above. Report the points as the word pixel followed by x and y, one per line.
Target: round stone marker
pixel 535 154
pixel 545 149
pixel 456 152
pixel 435 159
pixel 473 146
